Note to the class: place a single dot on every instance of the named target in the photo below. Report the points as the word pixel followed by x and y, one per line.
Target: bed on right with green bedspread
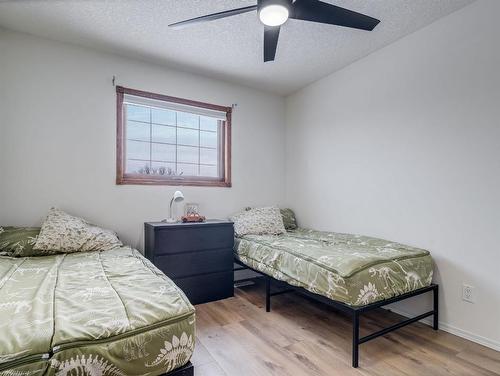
pixel 353 273
pixel 352 269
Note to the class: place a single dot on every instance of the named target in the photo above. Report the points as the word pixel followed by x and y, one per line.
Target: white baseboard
pixel 492 344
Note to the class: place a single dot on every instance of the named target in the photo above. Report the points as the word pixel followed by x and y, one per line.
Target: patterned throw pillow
pixel 289 219
pixel 18 241
pixel 63 233
pixel 259 221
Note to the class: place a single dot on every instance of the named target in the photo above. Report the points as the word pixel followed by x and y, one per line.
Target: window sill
pixel 133 180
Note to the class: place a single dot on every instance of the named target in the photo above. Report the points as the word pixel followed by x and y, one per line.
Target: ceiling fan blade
pixel 318 11
pixel 271 35
pixel 214 16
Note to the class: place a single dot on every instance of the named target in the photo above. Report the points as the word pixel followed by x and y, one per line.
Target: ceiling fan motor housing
pixel 264 3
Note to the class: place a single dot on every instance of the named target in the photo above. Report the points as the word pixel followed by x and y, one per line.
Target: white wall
pixel 405 144
pixel 58 132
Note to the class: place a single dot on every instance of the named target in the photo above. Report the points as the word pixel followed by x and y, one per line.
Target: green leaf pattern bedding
pixel 91 313
pixel 353 269
pixel 18 241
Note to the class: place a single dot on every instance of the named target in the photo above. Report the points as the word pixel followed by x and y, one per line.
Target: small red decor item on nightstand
pixel 193 218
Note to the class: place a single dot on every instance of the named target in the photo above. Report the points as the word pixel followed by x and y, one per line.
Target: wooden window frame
pixel 123 178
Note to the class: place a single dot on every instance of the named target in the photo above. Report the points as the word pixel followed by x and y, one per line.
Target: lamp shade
pixel 178 196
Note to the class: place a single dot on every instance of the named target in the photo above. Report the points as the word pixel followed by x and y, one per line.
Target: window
pixel 171 141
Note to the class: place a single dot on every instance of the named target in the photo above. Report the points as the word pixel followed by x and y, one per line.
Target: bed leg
pixel 268 294
pixel 436 308
pixel 355 339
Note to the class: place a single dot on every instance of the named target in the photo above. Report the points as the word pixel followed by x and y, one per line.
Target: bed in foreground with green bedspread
pixel 91 313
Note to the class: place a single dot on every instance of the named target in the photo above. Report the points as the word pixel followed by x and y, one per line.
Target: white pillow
pixel 62 232
pixel 259 221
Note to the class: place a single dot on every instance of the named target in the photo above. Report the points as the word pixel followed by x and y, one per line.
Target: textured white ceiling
pixel 229 49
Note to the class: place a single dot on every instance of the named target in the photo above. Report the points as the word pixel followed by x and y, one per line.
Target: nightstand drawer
pixel 190 263
pixel 207 287
pixel 186 240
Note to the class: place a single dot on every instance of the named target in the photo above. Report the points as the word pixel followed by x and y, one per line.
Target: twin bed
pixel 92 313
pixel 353 273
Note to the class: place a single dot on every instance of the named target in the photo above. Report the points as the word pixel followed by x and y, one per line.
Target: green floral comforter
pixel 92 313
pixel 353 269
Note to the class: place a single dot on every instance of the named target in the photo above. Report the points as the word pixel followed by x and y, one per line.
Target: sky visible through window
pixel 170 143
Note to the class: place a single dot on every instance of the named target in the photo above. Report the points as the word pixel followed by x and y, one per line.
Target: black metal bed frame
pixel 355 312
pixel 187 370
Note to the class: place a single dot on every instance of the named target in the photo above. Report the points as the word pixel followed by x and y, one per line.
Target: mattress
pixel 352 269
pixel 92 313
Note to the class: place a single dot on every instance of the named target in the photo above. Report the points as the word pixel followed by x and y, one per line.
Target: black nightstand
pixel 198 257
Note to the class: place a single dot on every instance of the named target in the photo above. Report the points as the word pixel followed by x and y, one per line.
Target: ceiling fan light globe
pixel 273 15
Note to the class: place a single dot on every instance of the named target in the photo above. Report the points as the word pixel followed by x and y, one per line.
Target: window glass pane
pixel 137 131
pixel 138 113
pixel 162 133
pixel 208 139
pixel 187 136
pixel 138 150
pixel 163 168
pixel 169 143
pixel 136 167
pixel 187 120
pixel 160 116
pixel 209 171
pixel 163 152
pixel 187 154
pixel 187 169
pixel 208 156
pixel 208 123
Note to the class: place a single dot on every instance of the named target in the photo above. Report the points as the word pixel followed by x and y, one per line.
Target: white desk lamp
pixel 177 197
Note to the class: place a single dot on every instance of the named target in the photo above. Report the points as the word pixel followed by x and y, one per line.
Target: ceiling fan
pixel 274 13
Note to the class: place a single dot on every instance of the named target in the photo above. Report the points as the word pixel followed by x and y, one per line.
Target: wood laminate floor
pixel 236 337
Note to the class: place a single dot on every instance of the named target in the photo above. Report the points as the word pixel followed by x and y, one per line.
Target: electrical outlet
pixel 467 293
